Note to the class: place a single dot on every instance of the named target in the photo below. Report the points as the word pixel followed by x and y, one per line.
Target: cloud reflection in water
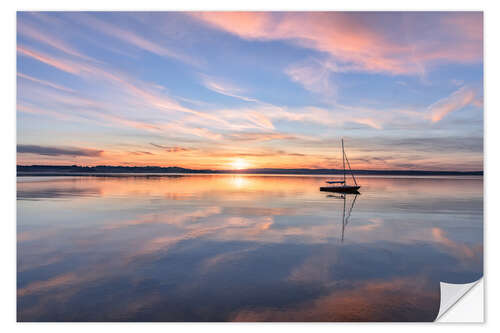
pixel 245 248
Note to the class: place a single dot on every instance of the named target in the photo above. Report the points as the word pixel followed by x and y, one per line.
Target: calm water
pixel 243 248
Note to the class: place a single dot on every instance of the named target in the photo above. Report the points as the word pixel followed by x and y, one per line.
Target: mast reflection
pixel 345 217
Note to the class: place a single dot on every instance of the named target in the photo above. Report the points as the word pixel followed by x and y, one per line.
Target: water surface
pixel 243 248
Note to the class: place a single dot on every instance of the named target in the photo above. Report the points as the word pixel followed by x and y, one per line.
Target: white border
pixel 492 167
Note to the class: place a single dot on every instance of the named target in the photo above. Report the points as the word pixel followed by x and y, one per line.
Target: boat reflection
pixel 345 217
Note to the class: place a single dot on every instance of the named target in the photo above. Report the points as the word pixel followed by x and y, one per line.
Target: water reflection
pixel 218 248
pixel 345 217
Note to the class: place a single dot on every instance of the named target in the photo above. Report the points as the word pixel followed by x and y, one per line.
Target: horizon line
pixel 249 169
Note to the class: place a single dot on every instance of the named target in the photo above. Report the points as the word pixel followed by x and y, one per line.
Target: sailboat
pixel 342 187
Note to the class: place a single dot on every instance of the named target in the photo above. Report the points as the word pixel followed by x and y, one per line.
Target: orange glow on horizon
pixel 215 160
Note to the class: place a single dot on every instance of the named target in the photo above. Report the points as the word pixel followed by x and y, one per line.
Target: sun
pixel 239 164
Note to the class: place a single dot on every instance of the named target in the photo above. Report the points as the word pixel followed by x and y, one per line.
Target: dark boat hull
pixel 340 189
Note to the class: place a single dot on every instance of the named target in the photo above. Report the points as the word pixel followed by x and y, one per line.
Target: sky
pixel 237 90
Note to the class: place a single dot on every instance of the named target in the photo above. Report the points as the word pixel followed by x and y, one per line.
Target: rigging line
pixel 343 160
pixel 352 174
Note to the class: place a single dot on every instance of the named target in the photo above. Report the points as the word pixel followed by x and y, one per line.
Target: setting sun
pixel 239 164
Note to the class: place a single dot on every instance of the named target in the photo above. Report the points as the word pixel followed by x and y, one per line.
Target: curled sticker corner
pixel 451 293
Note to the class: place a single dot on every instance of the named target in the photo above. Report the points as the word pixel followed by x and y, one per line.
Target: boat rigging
pixel 344 188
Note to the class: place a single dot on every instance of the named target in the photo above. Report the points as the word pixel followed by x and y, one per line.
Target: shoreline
pixel 172 174
pixel 76 170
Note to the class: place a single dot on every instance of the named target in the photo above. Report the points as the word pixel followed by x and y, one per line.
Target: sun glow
pixel 239 164
pixel 239 181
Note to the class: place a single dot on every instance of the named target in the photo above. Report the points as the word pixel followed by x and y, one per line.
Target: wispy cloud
pixel 39 111
pixel 91 112
pixel 170 149
pixel 51 61
pixel 245 118
pixel 315 76
pixel 202 132
pixel 261 116
pixel 134 87
pixel 368 122
pixel 134 39
pixel 113 119
pixel 457 100
pixel 142 153
pixel 260 136
pixel 57 151
pixel 225 88
pixel 373 42
pixel 44 82
pixel 41 36
pixel 336 116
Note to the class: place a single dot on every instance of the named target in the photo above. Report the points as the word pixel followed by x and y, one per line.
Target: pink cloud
pixel 336 117
pixel 172 149
pixel 134 39
pixel 259 119
pixel 129 123
pixel 43 82
pixel 139 89
pixel 368 122
pixel 225 88
pixel 50 113
pixel 91 108
pixel 314 76
pixel 261 136
pixel 59 64
pixel 196 131
pixel 40 36
pixel 366 41
pixel 457 100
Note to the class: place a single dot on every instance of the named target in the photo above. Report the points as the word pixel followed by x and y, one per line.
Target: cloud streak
pixel 57 151
pixel 313 76
pixel 396 43
pixel 171 149
pixel 459 99
pixel 224 88
pixel 134 39
pixel 132 87
pixel 45 83
pixel 36 34
pixel 261 136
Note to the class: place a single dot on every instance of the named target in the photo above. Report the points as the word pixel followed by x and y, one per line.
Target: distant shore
pixel 75 170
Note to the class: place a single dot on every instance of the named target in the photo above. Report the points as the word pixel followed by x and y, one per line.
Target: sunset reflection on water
pixel 242 247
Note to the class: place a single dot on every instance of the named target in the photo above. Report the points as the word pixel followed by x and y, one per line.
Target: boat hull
pixel 340 189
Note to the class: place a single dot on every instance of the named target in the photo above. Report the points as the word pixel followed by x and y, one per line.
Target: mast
pixel 352 173
pixel 344 156
pixel 343 160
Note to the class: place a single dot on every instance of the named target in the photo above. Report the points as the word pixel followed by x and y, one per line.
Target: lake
pixel 243 247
